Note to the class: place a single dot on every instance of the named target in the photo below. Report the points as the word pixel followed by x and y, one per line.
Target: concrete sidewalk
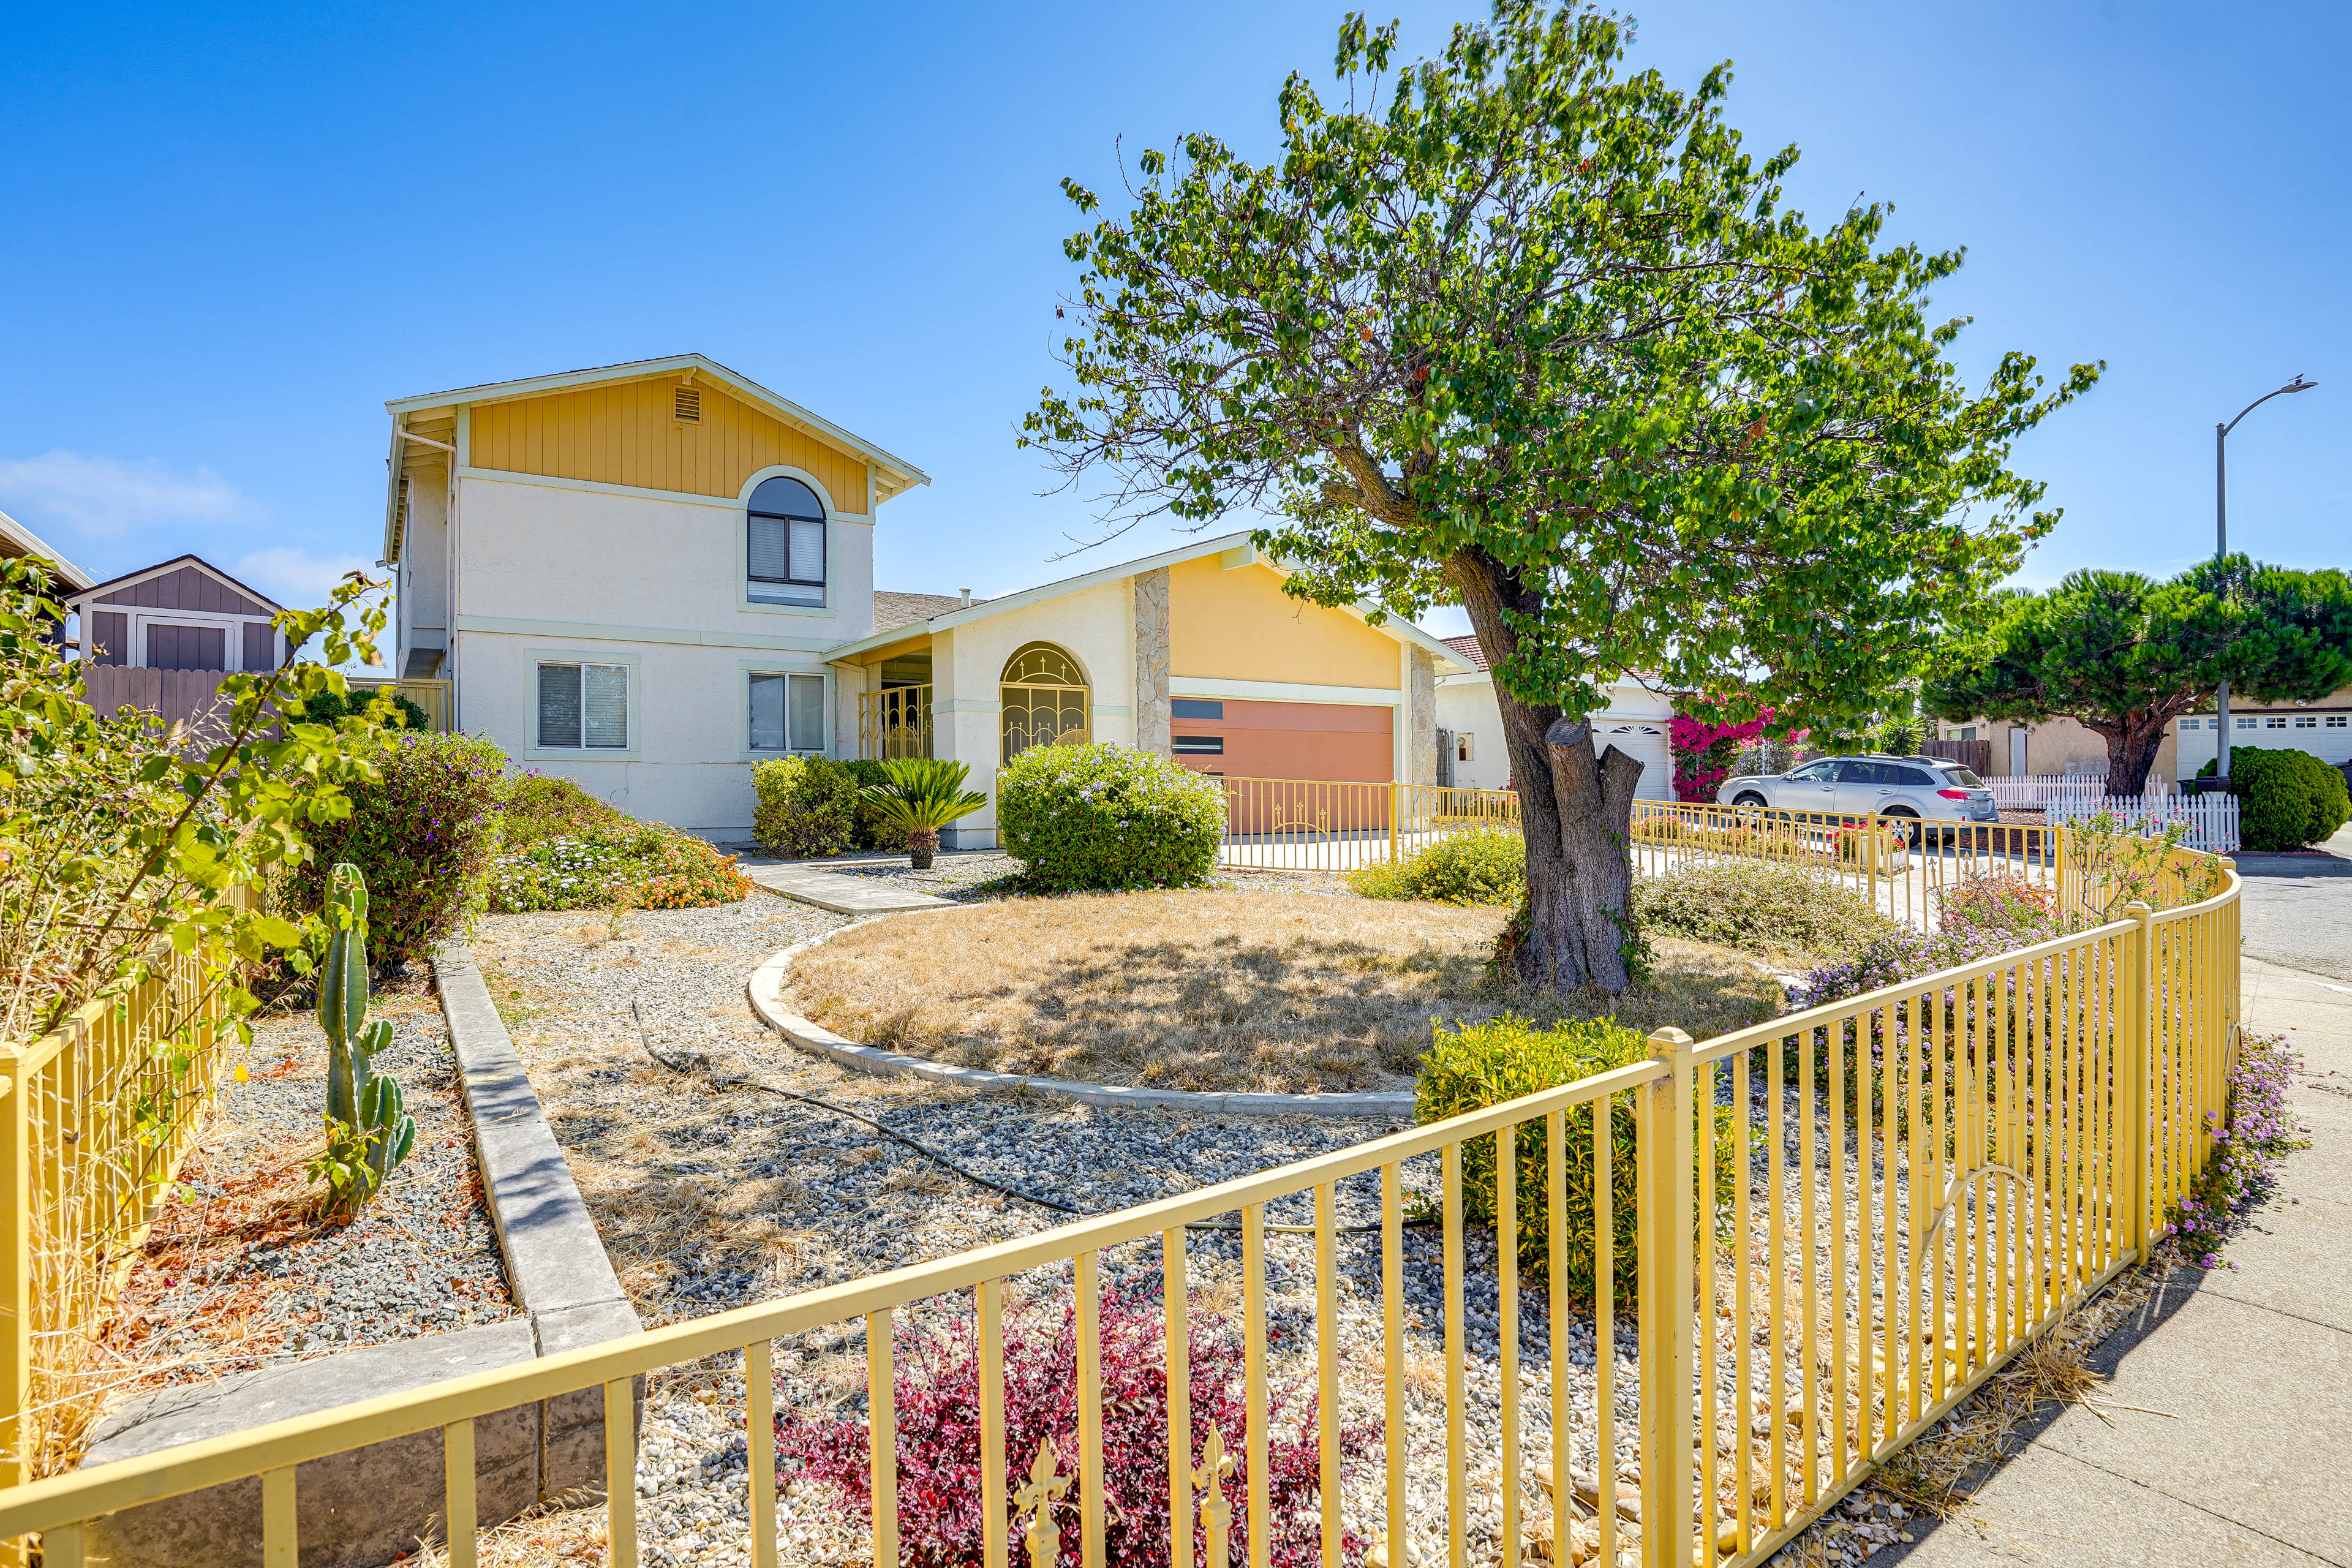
pixel 2251 1461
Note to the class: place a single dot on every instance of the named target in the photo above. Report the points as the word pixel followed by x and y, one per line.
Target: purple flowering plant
pixel 2252 1142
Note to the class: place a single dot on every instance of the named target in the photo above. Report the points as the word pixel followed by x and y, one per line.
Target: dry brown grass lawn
pixel 1215 990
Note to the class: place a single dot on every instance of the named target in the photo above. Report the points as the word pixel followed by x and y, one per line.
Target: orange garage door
pixel 1324 741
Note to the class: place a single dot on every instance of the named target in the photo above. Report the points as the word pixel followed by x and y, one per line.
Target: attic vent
pixel 688 407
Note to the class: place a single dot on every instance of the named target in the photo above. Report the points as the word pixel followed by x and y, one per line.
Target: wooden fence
pixel 189 697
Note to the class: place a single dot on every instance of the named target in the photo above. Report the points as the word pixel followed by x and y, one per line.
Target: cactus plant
pixel 369 1131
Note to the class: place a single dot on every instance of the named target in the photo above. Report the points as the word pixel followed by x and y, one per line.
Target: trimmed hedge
pixel 1104 816
pixel 872 829
pixel 1488 866
pixel 2286 799
pixel 1758 908
pixel 807 807
pixel 423 833
pixel 1475 1065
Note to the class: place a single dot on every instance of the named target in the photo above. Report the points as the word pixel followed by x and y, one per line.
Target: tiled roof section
pixel 892 610
pixel 1465 645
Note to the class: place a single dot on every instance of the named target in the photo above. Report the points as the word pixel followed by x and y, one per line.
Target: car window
pixel 1886 775
pixel 1911 777
pixel 1816 772
pixel 1856 773
pixel 1964 777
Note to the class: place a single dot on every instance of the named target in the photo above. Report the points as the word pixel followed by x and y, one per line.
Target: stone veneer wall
pixel 1421 744
pixel 1151 709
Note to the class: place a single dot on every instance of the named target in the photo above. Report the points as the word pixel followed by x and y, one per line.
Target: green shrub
pixel 326 708
pixel 423 834
pixel 1485 866
pixel 1757 907
pixel 807 807
pixel 1104 816
pixel 1480 1065
pixel 2285 799
pixel 873 829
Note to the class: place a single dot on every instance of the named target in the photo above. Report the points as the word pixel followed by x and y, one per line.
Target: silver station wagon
pixel 1920 788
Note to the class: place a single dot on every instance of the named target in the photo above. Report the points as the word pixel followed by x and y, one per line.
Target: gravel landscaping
pixel 714 1191
pixel 239 1271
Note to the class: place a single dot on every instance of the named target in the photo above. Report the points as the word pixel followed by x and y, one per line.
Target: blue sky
pixel 233 231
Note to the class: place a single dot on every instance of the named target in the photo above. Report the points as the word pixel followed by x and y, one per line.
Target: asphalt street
pixel 2298 909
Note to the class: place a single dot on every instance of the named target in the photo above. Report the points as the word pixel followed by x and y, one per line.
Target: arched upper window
pixel 1044 699
pixel 784 540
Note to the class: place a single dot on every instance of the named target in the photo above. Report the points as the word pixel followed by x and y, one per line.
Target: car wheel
pixel 1914 831
pixel 1748 797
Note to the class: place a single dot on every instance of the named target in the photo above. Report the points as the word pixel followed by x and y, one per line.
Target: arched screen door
pixel 1044 699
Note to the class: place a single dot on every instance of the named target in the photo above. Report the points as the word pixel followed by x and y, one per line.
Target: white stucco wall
pixel 555 573
pixel 1095 625
pixel 1635 722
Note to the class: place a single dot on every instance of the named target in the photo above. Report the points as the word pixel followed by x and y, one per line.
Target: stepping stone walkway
pixel 831 890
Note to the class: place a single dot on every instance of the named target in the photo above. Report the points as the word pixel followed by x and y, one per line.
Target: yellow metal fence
pixel 1842 1222
pixel 436 696
pixel 1311 824
pixel 95 1117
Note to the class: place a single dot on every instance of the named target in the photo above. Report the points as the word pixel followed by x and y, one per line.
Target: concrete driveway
pixel 2298 909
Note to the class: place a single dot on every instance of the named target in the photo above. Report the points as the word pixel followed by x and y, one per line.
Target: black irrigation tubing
pixel 933 1154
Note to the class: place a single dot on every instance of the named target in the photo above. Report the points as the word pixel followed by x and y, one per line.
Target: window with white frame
pixel 2275 721
pixel 2337 720
pixel 2192 724
pixel 583 707
pixel 2306 720
pixel 784 544
pixel 788 712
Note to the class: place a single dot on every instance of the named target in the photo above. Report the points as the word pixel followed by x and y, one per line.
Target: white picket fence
pixel 2036 790
pixel 2211 819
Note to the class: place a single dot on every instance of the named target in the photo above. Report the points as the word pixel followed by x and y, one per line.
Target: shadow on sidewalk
pixel 2171 1294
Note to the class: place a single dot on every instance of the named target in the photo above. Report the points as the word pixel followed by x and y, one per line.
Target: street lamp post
pixel 2220 549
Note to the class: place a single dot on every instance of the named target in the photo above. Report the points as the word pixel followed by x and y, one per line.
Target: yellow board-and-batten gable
pixel 681 426
pixel 1238 625
pixel 629 435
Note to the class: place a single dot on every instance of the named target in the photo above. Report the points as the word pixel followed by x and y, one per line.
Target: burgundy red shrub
pixel 937 1385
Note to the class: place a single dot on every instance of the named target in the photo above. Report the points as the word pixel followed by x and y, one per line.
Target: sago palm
pixel 923 796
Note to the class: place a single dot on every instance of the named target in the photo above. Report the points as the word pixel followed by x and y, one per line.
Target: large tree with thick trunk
pixel 2124 656
pixel 1516 330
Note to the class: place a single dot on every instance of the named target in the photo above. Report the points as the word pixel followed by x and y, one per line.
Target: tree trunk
pixel 922 843
pixel 2132 746
pixel 1576 810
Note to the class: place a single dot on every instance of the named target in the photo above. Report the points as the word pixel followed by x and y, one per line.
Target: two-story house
pixel 650 576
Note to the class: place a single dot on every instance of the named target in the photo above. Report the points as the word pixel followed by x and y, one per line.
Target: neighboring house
pixel 1637 722
pixel 162 638
pixel 16 540
pixel 181 614
pixel 2061 746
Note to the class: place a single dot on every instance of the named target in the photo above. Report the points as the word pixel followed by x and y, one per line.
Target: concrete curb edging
pixel 765 991
pixel 371 1505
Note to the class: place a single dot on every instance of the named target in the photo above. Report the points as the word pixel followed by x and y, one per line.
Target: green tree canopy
pixel 1523 331
pixel 2124 656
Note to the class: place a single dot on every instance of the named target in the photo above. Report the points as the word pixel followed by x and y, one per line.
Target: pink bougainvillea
pixel 1704 750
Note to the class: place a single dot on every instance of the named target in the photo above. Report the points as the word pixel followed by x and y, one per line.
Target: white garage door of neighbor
pixel 1643 739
